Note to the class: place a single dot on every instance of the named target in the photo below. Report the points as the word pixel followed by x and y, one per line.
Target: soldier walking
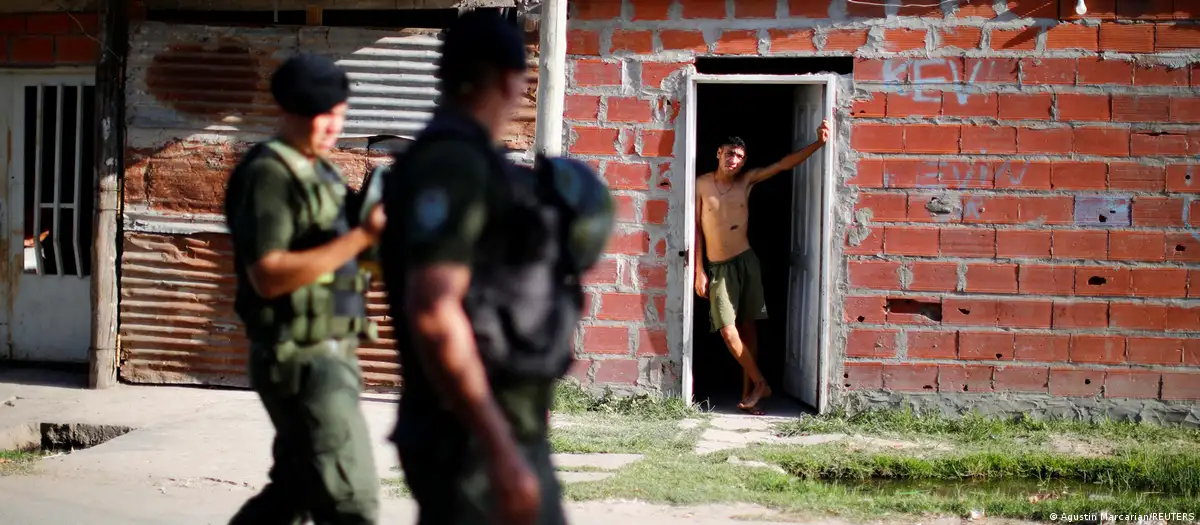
pixel 301 295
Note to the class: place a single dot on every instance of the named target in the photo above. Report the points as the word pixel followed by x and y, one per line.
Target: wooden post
pixel 110 153
pixel 552 78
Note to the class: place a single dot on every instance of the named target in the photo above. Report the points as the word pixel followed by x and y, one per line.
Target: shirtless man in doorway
pixel 731 280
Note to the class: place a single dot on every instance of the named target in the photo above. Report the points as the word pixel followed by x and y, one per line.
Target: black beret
pixel 481 37
pixel 309 84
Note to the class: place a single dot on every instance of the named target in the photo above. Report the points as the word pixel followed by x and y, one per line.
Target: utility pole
pixel 552 78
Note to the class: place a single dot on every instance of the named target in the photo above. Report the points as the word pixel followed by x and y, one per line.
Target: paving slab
pixel 583 477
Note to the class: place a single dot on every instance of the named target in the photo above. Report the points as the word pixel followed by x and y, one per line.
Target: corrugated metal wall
pixel 197 97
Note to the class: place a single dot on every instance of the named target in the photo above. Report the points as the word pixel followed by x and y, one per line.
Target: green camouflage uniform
pixel 453 202
pixel 303 367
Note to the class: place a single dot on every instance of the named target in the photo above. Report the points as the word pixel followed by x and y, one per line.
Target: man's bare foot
pixel 761 391
pixel 754 411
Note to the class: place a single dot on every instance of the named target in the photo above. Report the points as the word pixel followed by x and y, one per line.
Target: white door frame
pixel 11 122
pixel 683 301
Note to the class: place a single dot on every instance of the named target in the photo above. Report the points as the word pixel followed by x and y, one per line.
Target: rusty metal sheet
pixel 177 323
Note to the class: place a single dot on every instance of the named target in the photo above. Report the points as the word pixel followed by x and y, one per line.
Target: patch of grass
pixel 611 433
pixel 975 428
pixel 17 462
pixel 1149 469
pixel 570 398
pixel 689 479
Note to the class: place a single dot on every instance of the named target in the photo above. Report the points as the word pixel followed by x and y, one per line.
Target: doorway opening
pixel 775 116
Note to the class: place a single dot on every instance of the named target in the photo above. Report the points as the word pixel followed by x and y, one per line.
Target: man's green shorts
pixel 735 290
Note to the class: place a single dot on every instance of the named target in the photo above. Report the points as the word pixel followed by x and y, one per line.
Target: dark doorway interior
pixel 762 115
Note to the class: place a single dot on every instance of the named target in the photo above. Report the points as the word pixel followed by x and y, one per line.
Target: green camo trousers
pixel 324 467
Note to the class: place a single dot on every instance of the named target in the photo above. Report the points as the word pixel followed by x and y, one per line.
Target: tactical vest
pixel 524 301
pixel 334 306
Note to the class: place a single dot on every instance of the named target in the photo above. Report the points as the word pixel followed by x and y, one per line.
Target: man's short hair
pixel 734 142
pixel 478 45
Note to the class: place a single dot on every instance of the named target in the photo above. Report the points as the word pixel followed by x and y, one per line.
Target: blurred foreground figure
pixel 482 262
pixel 302 298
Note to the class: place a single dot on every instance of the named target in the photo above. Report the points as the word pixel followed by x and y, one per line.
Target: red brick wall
pixel 1062 259
pixel 45 39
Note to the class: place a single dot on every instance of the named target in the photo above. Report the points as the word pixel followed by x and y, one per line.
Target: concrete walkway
pixel 196 454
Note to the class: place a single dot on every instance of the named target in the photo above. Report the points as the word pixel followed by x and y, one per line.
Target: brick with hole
pixel 1079 244
pixel 1075 175
pixel 862 376
pixel 1159 282
pixel 933 276
pixel 1132 384
pixel 932 345
pixel 864 342
pixel 872 105
pixel 1124 245
pixel 1102 281
pixel 1021 379
pixel 1155 350
pixel 902 39
pixel 934 208
pixel 911 240
pixel 1056 141
pixel 1020 243
pixel 968 242
pixel 1097 71
pixel 1083 107
pixel 1075 382
pixel 878 138
pixel 1024 39
pixel 1182 247
pixel 1040 71
pixel 914 310
pixel 964 378
pixel 1141 108
pixel 1158 211
pixel 1127 38
pixel 865 309
pixel 969 312
pixel 1097 349
pixel 991 278
pixel 927 138
pixel 1024 313
pixel 1042 348
pixel 1183 318
pixel 1136 176
pixel 1046 280
pixel 1138 316
pixel 1179 386
pixel 910 377
pixel 985 346
pixel 1111 142
pixel 1073 314
pixel 878 275
pixel 961 37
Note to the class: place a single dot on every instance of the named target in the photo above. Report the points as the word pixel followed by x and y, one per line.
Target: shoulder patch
pixel 432 207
